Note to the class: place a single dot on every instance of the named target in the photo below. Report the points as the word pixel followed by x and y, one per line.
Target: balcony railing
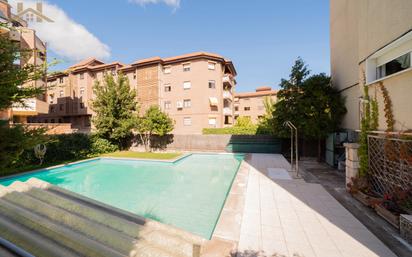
pixel 227 95
pixel 31 106
pixel 228 79
pixel 227 111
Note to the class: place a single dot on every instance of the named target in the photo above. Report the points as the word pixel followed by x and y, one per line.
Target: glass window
pixel 168 88
pixel 187 103
pixel 187 85
pixel 211 65
pixel 212 121
pixel 61 80
pixel 399 64
pixel 212 84
pixel 186 67
pixel 187 121
pixel 81 75
pixel 61 93
pixel 167 70
pixel 168 105
pixel 247 109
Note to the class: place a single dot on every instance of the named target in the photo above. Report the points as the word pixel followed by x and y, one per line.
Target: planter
pixel 393 219
pixel 367 200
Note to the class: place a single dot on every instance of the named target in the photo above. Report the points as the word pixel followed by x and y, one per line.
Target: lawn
pixel 137 155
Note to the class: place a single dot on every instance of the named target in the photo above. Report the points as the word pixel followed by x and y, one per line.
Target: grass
pixel 138 155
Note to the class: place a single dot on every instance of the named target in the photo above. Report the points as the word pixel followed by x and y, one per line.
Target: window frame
pixel 214 84
pixel 187 124
pixel 187 67
pixel 209 63
pixel 185 105
pixel 167 69
pixel 185 83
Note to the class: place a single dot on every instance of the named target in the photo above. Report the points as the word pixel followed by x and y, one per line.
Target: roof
pixel 85 62
pixel 256 94
pixel 185 57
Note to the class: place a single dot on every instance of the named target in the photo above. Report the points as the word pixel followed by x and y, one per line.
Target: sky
pixel 263 38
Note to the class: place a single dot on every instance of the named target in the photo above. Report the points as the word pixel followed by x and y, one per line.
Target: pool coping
pixel 174 160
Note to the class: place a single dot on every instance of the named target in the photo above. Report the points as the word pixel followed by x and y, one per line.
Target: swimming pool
pixel 189 193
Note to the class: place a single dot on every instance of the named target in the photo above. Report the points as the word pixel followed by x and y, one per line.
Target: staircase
pixel 46 220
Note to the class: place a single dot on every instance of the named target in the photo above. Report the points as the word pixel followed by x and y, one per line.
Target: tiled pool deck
pixel 287 217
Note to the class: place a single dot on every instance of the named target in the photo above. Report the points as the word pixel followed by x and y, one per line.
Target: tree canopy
pixel 115 106
pixel 154 122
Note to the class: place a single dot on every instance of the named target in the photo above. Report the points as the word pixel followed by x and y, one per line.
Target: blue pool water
pixel 188 194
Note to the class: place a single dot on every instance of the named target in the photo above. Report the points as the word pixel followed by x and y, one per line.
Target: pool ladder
pixel 294 148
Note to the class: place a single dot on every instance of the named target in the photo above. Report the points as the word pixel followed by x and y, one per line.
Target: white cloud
pixel 172 3
pixel 64 36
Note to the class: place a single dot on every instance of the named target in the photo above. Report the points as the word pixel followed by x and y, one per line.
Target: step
pixel 62 235
pixel 152 232
pixel 103 234
pixel 31 241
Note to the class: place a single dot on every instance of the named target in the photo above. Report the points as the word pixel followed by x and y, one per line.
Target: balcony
pixel 227 95
pixel 31 107
pixel 228 80
pixel 227 111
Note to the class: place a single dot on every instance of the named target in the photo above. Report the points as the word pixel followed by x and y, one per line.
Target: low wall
pixel 213 143
pixel 52 128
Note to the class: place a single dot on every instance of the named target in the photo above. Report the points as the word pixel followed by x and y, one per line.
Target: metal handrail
pixel 294 149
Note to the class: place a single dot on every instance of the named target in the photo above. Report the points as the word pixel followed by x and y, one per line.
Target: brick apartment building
pixel 195 89
pixel 35 54
pixel 251 104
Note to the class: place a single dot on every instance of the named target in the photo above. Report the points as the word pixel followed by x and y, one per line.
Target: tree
pixel 311 104
pixel 17 138
pixel 12 76
pixel 115 106
pixel 289 105
pixel 154 122
pixel 266 125
pixel 323 109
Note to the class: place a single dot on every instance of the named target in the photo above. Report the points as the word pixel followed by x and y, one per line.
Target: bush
pixel 243 126
pixel 68 147
pixel 102 146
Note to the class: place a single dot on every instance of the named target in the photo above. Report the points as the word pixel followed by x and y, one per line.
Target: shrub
pixel 68 147
pixel 102 146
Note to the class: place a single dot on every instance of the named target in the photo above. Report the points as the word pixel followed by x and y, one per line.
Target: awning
pixel 213 101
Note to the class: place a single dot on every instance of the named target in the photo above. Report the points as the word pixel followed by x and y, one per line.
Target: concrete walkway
pixel 289 217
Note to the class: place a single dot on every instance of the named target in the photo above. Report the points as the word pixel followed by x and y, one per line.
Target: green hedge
pixel 230 131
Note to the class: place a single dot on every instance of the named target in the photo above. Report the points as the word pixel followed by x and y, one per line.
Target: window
pixel 186 67
pixel 61 107
pixel 51 99
pixel 61 80
pixel 134 76
pixel 212 122
pixel 82 91
pixel 81 105
pixel 236 108
pixel 187 85
pixel 61 93
pixel 81 75
pixel 187 121
pixel 247 108
pixel 168 88
pixel 51 108
pixel 187 103
pixel 212 84
pixel 167 70
pixel 113 71
pixel 399 64
pixel 211 65
pixel 168 105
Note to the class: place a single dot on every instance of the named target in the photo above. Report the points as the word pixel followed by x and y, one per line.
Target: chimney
pixel 19 7
pixel 39 8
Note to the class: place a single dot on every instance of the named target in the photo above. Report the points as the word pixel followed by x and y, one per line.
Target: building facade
pixel 196 90
pixel 34 54
pixel 251 104
pixel 372 37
